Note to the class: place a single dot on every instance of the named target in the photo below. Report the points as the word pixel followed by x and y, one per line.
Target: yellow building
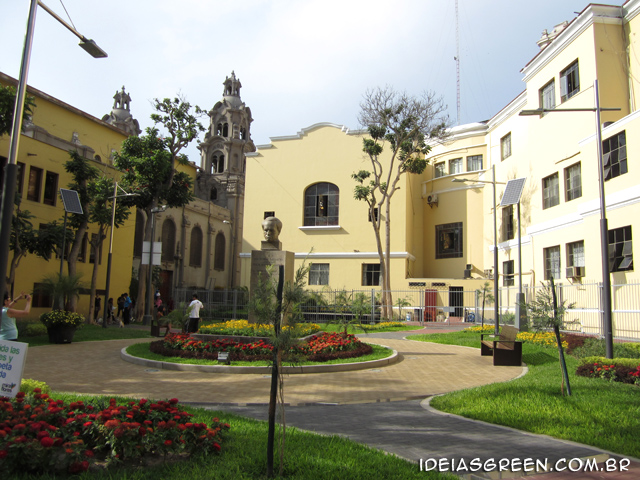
pixel 55 128
pixel 557 153
pixel 443 231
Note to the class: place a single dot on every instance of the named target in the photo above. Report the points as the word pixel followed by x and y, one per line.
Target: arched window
pixel 219 129
pixel 168 240
pixel 217 163
pixel 195 248
pixel 139 235
pixel 213 194
pixel 218 259
pixel 225 130
pixel 321 205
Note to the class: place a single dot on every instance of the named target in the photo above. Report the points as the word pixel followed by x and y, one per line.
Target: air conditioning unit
pixel 579 271
pixel 432 199
pixel 570 272
pixel 467 273
pixel 488 273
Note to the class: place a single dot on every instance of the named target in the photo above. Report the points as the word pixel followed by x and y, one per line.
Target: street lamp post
pixel 11 170
pixel 496 274
pixel 113 221
pixel 232 257
pixel 604 229
pixel 146 320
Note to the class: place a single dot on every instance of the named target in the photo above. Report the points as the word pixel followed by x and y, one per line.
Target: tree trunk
pixel 72 260
pixel 386 294
pixel 18 253
pixel 375 222
pixel 94 275
pixel 143 271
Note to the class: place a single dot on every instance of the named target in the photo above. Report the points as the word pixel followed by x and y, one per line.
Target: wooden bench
pixel 504 348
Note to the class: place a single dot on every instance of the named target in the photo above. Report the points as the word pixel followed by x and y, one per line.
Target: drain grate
pixel 152 370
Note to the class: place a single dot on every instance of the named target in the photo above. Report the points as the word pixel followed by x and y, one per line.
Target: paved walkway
pixel 384 408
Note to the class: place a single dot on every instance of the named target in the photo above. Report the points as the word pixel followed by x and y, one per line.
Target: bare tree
pixel 408 127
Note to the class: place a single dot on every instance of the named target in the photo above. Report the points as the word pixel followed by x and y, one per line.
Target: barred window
pixel 319 274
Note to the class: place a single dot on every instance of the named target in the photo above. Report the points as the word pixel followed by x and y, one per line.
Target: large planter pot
pixel 61 334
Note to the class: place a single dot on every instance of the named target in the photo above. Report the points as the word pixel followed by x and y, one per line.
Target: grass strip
pixel 308 456
pixel 93 333
pixel 600 413
pixel 355 329
pixel 142 350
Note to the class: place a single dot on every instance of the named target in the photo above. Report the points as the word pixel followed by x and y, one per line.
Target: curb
pixel 338 367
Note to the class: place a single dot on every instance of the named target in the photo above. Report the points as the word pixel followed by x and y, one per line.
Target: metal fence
pixel 452 304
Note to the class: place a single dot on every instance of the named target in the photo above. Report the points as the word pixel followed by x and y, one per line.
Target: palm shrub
pixel 62 288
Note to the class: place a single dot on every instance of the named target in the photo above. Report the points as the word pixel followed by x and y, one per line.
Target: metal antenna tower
pixel 457 59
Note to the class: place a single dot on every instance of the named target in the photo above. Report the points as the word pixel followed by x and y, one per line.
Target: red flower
pixel 3 454
pixel 168 442
pixel 47 442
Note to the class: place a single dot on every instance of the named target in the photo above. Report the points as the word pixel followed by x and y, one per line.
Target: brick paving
pixel 381 407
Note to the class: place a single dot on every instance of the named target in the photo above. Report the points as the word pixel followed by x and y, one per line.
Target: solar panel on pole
pixel 513 192
pixel 71 201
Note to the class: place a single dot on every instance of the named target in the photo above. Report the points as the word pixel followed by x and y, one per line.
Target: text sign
pixel 12 358
pixel 157 251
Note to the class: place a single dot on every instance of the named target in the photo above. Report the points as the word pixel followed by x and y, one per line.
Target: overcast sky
pixel 300 62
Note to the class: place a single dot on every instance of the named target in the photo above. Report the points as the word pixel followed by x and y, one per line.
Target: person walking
pixel 194 314
pixel 110 318
pixel 126 313
pixel 120 303
pixel 96 310
pixel 8 329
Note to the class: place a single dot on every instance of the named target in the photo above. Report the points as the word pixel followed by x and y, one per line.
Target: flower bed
pixel 39 434
pixel 244 328
pixel 318 348
pixel 60 318
pixel 616 370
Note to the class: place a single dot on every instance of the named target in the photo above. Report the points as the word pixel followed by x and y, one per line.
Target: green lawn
pixel 599 413
pixel 92 333
pixel 332 327
pixel 142 350
pixel 243 456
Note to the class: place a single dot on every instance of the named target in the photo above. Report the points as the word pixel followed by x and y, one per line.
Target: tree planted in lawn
pixel 407 127
pixel 545 313
pixel 149 165
pixel 278 303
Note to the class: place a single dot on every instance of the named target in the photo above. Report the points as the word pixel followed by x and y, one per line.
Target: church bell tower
pixel 222 176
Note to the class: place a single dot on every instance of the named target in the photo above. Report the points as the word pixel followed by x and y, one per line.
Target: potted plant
pixel 61 325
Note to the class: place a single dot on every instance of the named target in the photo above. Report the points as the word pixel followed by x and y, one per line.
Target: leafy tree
pixel 25 239
pixel 487 297
pixel 100 213
pixel 406 127
pixel 7 107
pixel 545 313
pixel 149 165
pixel 83 174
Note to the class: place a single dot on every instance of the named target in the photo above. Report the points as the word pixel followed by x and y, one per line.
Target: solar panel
pixel 71 201
pixel 513 192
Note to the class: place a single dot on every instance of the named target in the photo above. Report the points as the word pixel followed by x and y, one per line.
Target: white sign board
pixel 12 358
pixel 157 251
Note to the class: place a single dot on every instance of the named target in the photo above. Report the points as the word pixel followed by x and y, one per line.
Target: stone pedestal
pixel 260 259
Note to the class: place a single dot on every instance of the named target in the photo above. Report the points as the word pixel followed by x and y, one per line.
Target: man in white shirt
pixel 194 314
